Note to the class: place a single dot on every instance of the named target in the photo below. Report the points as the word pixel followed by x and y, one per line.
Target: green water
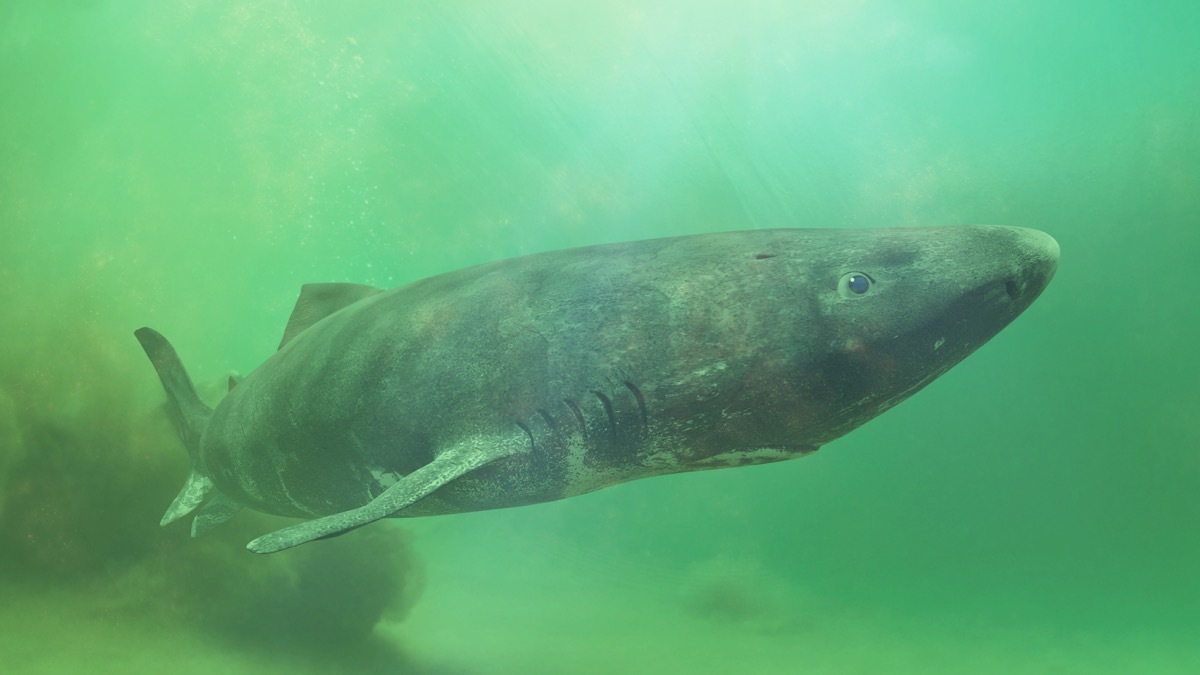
pixel 188 165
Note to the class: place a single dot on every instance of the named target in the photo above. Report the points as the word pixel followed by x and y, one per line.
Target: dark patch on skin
pixel 764 256
pixel 892 257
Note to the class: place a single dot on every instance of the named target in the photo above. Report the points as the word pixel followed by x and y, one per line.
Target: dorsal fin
pixel 318 301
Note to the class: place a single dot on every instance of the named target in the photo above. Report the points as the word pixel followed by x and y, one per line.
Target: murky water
pixel 188 165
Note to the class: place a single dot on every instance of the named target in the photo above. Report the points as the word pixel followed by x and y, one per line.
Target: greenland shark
pixel 555 374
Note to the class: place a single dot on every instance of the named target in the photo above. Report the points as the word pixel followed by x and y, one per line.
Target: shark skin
pixel 555 374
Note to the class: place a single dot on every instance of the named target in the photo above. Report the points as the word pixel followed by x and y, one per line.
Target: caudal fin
pixel 188 413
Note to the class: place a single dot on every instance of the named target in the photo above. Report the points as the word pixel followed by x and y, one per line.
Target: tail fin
pixel 187 412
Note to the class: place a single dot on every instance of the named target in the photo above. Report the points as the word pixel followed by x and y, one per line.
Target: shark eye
pixel 855 285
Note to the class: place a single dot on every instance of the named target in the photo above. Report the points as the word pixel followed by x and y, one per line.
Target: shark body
pixel 552 375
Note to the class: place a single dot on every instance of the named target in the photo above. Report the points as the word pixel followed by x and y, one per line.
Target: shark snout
pixel 1037 254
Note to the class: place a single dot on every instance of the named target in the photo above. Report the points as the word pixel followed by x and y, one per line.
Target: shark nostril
pixel 1013 289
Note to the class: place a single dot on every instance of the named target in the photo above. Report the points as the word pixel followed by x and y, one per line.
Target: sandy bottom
pixel 727 616
pixel 565 611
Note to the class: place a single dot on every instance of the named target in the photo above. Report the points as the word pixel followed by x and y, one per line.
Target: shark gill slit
pixel 578 415
pixel 608 409
pixel 545 414
pixel 641 400
pixel 529 433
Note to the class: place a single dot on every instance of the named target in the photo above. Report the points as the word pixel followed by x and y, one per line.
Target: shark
pixel 556 374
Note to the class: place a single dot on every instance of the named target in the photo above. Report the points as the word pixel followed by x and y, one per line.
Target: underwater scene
pixel 189 166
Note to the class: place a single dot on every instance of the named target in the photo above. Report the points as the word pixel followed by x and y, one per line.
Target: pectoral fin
pixel 450 464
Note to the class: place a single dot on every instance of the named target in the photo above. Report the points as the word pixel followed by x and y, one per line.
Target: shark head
pixel 899 307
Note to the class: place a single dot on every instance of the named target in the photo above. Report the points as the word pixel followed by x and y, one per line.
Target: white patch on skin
pixel 718 366
pixel 385 478
pixel 295 503
pixel 280 459
pixel 702 372
pixel 726 414
pixel 938 344
pixel 742 457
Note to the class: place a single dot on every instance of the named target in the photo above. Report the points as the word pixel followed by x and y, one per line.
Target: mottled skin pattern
pixel 609 363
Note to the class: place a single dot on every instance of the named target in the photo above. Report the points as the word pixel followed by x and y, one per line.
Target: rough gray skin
pixel 583 368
